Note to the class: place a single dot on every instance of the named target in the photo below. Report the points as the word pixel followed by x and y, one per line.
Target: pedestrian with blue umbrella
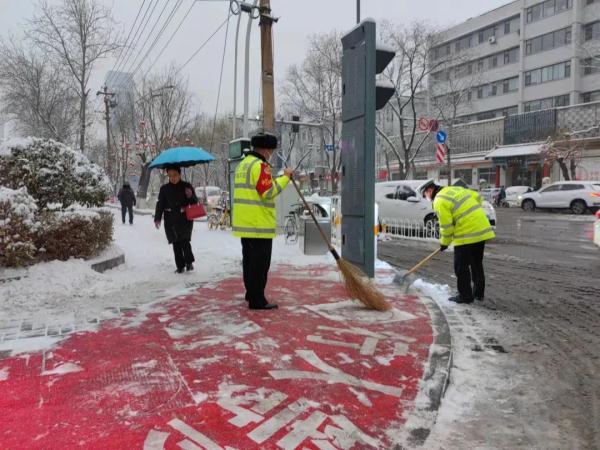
pixel 175 199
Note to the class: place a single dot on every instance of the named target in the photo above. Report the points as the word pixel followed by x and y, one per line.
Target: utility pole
pixel 357 12
pixel 107 105
pixel 268 85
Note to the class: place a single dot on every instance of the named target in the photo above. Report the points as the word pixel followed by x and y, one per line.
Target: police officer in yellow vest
pixel 254 215
pixel 464 223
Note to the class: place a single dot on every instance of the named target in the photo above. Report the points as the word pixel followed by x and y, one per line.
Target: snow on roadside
pixel 58 290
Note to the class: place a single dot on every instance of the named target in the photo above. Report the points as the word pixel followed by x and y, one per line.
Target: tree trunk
pixel 573 168
pixel 387 166
pixel 144 180
pixel 564 169
pixel 82 121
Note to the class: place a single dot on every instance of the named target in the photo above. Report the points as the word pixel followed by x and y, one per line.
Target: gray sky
pixel 298 19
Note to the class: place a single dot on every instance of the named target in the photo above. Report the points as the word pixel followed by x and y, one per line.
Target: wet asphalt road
pixel 543 289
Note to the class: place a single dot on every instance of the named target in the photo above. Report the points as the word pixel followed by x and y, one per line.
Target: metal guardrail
pixel 409 229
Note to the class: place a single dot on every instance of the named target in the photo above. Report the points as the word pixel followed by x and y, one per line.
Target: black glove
pixel 443 247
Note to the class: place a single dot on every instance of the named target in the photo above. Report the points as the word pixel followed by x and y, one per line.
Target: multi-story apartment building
pixel 523 57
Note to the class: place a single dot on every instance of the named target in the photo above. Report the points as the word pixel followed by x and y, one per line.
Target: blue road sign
pixel 328 147
pixel 441 137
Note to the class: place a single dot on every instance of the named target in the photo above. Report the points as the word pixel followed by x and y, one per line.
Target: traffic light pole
pixel 362 96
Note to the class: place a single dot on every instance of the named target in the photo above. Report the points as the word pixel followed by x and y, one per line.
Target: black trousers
pixel 256 255
pixel 183 253
pixel 468 266
pixel 124 210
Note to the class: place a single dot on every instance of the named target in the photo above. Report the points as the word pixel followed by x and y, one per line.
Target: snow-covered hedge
pixel 18 227
pixel 52 173
pixel 73 234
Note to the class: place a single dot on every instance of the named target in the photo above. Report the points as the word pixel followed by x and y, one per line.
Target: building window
pixel 547 103
pixel 548 73
pixel 463 43
pixel 510 85
pixel 549 41
pixel 487 33
pixel 512 25
pixel 589 97
pixel 591 31
pixel 488 175
pixel 590 65
pixel 464 174
pixel 547 9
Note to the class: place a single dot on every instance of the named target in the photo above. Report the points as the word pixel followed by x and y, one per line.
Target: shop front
pixel 518 165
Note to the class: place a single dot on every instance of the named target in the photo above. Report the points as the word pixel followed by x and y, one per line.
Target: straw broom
pixel 357 284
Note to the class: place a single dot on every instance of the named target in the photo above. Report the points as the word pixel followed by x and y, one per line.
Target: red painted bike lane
pixel 203 372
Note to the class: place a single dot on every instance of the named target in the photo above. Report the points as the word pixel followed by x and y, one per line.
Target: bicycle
pixel 290 228
pixel 221 220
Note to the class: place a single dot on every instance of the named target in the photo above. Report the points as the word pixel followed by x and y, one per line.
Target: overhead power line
pixel 170 39
pixel 204 44
pixel 137 34
pixel 159 35
pixel 148 37
pixel 118 60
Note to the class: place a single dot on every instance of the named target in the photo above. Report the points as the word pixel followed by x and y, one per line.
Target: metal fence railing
pixel 409 229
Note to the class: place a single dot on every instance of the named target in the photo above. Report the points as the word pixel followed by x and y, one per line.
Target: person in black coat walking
pixel 127 199
pixel 173 197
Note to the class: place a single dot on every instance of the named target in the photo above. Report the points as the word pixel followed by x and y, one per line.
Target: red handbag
pixel 195 211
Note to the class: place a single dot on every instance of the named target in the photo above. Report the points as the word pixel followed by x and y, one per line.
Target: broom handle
pixel 331 249
pixel 423 261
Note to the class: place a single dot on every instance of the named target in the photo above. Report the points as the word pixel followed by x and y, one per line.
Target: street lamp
pixel 236 7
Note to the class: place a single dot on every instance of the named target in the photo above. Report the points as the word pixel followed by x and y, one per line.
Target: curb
pixel 436 378
pixel 110 263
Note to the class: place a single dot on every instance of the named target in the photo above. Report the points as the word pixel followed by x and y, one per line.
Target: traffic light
pixel 362 95
pixel 295 126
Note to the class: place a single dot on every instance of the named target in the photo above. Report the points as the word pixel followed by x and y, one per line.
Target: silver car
pixel 578 196
pixel 400 201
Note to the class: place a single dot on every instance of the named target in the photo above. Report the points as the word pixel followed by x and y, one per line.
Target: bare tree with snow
pixel 35 95
pixel 313 90
pixel 75 34
pixel 408 73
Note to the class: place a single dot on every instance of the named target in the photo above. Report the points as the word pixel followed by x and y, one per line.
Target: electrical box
pixel 239 147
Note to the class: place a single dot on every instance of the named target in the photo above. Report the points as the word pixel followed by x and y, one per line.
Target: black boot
pixel 179 270
pixel 459 299
pixel 189 267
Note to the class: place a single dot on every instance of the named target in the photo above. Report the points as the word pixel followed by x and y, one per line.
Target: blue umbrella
pixel 181 157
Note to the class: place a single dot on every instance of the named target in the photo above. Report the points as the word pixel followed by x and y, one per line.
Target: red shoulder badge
pixel 265 180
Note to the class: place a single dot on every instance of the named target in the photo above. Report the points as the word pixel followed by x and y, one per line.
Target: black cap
pixel 427 185
pixel 264 140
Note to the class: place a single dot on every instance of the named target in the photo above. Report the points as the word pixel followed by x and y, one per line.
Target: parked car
pixel 578 196
pixel 513 192
pixel 597 229
pixel 213 194
pixel 399 200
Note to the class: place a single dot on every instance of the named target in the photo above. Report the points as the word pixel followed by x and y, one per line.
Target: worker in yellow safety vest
pixel 464 223
pixel 254 218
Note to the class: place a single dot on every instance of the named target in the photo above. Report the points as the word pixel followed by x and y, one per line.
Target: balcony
pixel 478 138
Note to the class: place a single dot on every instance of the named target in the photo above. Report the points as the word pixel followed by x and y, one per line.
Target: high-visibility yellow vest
pixel 462 219
pixel 253 213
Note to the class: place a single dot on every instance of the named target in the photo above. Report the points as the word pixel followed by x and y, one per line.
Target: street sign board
pixel 441 137
pixel 328 147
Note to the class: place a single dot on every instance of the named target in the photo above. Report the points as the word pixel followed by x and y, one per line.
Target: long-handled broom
pixel 356 282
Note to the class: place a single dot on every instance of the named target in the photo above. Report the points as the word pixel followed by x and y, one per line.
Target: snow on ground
pixel 60 290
